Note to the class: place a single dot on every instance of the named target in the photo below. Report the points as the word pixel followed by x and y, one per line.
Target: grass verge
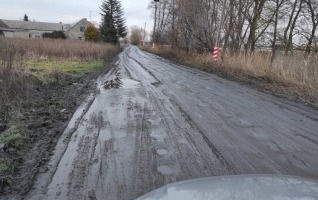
pixel 40 89
pixel 292 77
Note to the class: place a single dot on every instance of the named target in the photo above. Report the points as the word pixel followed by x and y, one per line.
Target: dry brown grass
pixel 54 48
pixel 16 77
pixel 294 71
pixel 37 79
pixel 14 53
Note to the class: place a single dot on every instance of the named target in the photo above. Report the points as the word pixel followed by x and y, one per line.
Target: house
pixel 77 30
pixel 32 29
pixel 29 29
pixel 2 27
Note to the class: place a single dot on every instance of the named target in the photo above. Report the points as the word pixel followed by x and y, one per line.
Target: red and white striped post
pixel 215 54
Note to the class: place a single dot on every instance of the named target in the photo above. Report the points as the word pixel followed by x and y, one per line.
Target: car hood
pixel 245 187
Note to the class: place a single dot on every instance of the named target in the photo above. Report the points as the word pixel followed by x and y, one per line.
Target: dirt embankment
pixel 33 114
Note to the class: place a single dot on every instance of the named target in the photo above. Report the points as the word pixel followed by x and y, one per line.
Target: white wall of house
pixel 77 31
pixel 21 34
pixel 16 34
pixel 21 29
pixel 8 34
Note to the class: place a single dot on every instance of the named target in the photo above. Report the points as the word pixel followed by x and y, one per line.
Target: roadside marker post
pixel 153 45
pixel 215 54
pixel 216 49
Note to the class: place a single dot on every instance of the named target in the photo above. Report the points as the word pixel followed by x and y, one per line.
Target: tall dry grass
pixel 15 77
pixel 289 69
pixel 58 48
pixel 29 106
pixel 294 70
pixel 15 52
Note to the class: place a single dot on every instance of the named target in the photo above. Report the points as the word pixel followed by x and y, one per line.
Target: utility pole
pixel 145 31
pixel 90 16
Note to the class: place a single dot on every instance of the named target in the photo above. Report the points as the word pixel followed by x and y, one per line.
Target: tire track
pixel 215 151
pixel 147 70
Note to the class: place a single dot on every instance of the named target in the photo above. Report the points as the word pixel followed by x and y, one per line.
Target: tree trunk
pixel 314 27
pixel 278 5
pixel 291 26
pixel 259 4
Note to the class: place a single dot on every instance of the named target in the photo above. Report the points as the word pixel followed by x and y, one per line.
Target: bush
pixel 55 35
pixel 91 34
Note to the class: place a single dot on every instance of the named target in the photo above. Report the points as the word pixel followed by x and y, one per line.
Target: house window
pixel 82 28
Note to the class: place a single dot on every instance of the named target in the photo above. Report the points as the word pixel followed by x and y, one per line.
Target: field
pixel 292 76
pixel 41 84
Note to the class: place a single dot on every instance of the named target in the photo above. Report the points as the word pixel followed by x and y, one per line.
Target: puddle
pixel 130 84
pixel 162 152
pixel 121 83
pixel 115 83
pixel 165 170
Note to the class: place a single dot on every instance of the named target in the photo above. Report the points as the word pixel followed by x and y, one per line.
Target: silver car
pixel 239 187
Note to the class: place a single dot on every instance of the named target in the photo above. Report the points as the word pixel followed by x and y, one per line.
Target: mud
pixel 164 123
pixel 44 114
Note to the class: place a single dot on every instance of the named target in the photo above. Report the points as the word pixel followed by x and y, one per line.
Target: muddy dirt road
pixel 154 122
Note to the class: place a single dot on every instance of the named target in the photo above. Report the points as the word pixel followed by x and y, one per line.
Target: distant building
pixel 29 29
pixel 77 30
pixel 2 26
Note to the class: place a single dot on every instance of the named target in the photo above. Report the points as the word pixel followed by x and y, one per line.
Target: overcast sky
pixel 70 11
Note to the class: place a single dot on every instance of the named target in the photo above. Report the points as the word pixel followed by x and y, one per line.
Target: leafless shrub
pixel 7 54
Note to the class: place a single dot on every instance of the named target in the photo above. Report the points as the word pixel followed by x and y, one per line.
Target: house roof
pixel 29 25
pixel 2 24
pixel 82 22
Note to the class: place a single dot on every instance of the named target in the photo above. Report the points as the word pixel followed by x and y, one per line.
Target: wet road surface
pixel 154 122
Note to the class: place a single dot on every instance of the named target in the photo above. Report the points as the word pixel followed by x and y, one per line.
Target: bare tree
pixel 288 33
pixel 278 4
pixel 248 24
pixel 312 8
pixel 256 9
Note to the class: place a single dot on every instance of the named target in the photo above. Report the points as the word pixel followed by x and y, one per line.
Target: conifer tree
pixel 25 18
pixel 113 21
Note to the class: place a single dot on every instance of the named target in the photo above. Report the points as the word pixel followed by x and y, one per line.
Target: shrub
pixel 55 35
pixel 91 34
